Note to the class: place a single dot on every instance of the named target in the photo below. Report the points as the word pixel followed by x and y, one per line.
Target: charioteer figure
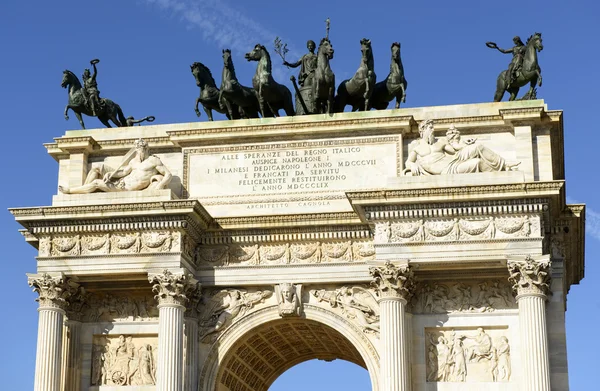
pixel 90 87
pixel 518 52
pixel 307 64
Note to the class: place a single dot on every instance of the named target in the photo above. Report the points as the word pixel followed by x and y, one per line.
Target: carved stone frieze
pixel 124 360
pixel 483 296
pixel 171 288
pixel 393 281
pixel 467 355
pixel 285 253
pixel 114 243
pixel 530 276
pixel 53 291
pixel 357 303
pixel 458 228
pixel 77 302
pixel 218 309
pixel 119 308
pixel 289 299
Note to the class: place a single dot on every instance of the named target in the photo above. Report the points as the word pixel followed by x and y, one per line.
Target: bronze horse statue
pixel 233 94
pixel 394 85
pixel 323 84
pixel 358 90
pixel 80 104
pixel 271 95
pixel 530 72
pixel 209 93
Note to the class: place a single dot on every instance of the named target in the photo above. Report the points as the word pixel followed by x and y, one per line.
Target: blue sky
pixel 146 47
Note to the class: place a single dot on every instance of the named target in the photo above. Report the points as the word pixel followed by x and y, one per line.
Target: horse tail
pixel 500 87
pixel 121 116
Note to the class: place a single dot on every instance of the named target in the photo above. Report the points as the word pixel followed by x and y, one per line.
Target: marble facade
pixel 432 246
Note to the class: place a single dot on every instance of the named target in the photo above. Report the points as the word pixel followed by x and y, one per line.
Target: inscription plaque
pixel 292 177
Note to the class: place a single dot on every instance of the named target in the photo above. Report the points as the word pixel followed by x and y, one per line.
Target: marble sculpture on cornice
pixel 451 155
pixel 138 171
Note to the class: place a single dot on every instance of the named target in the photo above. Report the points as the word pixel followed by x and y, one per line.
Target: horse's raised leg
pixel 196 107
pixel 67 107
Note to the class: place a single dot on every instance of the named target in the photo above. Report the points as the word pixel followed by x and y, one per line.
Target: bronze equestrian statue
pixel 271 95
pixel 523 69
pixel 209 93
pixel 394 85
pixel 357 91
pixel 233 94
pixel 323 83
pixel 88 102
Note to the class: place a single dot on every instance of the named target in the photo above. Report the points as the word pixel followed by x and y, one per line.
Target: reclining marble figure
pixel 138 171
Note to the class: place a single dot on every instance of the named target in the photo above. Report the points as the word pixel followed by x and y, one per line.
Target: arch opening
pixel 265 352
pixel 318 375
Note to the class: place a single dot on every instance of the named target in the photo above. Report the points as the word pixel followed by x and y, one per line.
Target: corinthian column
pixel 530 279
pixel 172 292
pixel 53 293
pixel 394 284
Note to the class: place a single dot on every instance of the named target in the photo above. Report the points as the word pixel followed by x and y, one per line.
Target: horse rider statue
pixel 90 88
pixel 518 52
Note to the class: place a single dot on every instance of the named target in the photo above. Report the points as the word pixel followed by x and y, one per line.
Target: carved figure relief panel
pixel 286 253
pixel 119 308
pixel 124 360
pixel 219 309
pixel 467 354
pixel 458 228
pixel 445 297
pixel 357 303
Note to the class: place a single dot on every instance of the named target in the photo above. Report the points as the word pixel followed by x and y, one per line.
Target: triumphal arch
pixel 432 246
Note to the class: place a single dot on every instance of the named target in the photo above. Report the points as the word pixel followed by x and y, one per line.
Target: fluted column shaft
pixel 170 347
pixel 394 356
pixel 190 368
pixel 49 349
pixel 534 342
pixel 395 284
pixel 531 283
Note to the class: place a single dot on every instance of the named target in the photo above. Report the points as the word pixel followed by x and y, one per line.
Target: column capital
pixel 393 282
pixel 53 290
pixel 172 288
pixel 529 277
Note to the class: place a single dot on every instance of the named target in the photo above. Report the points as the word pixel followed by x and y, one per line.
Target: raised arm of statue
pixel 95 70
pixel 505 51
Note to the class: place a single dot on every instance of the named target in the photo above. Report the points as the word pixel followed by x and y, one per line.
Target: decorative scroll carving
pixel 124 361
pixel 530 276
pixel 485 296
pixel 356 303
pixel 463 228
pixel 285 253
pixel 289 298
pixel 53 292
pixel 172 289
pixel 221 308
pixel 119 308
pixel 113 243
pixel 393 281
pixel 468 355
